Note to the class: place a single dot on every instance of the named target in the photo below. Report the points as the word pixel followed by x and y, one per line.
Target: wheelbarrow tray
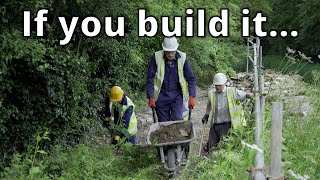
pixel 159 125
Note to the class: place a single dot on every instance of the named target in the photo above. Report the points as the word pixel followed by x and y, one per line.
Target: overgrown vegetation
pixel 46 87
pixel 293 62
pixel 91 161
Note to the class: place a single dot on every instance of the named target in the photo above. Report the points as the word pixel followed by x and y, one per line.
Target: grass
pixel 279 64
pixel 91 162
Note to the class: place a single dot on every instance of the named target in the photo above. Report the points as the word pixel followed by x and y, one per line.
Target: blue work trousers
pixel 168 107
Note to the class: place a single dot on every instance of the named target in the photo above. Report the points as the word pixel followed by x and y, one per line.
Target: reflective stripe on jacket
pixel 235 108
pixel 185 110
pixel 132 128
pixel 159 76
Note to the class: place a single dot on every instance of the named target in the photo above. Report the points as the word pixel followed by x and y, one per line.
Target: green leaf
pixel 42 152
pixel 34 170
pixel 38 138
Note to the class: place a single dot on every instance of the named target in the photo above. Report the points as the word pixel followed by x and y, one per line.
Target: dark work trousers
pixel 169 106
pixel 132 139
pixel 216 133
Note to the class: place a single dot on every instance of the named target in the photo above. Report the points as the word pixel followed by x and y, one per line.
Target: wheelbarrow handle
pixel 155 120
pixel 190 109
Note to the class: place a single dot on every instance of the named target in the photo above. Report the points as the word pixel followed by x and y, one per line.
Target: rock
pixel 183 132
pixel 297 104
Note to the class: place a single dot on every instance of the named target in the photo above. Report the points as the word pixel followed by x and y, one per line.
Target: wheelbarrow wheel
pixel 171 158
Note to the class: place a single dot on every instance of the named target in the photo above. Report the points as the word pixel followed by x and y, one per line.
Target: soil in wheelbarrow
pixel 172 133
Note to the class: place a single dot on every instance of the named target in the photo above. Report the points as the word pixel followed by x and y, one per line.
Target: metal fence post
pixel 276 139
pixel 259 159
pixel 247 55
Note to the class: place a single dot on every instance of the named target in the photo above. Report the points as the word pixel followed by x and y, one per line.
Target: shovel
pixel 202 135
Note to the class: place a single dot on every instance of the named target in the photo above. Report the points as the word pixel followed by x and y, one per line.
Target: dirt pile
pixel 172 133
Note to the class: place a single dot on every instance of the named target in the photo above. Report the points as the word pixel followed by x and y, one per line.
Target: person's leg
pixel 213 138
pixel 176 108
pixel 163 111
pixel 223 130
pixel 132 139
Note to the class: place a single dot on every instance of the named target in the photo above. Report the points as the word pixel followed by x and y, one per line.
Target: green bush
pixel 45 86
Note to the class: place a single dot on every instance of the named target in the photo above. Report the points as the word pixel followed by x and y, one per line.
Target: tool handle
pixel 190 109
pixel 202 135
pixel 155 120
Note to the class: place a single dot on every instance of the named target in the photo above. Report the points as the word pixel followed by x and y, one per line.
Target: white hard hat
pixel 170 44
pixel 219 79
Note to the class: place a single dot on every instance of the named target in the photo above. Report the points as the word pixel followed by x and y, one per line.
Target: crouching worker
pixel 120 108
pixel 227 112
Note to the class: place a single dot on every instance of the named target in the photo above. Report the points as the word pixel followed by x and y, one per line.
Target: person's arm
pixel 152 69
pixel 190 78
pixel 126 117
pixel 208 109
pixel 206 116
pixel 241 95
pixel 107 112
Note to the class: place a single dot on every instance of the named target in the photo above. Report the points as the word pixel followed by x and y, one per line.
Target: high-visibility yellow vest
pixel 132 128
pixel 235 108
pixel 159 76
pixel 185 110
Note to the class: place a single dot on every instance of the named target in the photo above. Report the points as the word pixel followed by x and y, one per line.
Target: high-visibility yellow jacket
pixel 235 108
pixel 159 76
pixel 132 128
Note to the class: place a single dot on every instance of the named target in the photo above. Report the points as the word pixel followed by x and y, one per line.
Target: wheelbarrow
pixel 171 152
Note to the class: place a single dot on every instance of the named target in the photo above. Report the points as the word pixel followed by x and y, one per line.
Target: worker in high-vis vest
pixel 121 109
pixel 171 85
pixel 224 104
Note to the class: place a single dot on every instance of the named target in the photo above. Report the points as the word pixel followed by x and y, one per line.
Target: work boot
pixel 184 161
pixel 206 147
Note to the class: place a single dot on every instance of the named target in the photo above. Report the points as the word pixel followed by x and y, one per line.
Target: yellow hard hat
pixel 116 94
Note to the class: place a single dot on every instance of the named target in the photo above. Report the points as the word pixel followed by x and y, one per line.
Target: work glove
pixel 115 139
pixel 192 102
pixel 205 119
pixel 152 102
pixel 106 122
